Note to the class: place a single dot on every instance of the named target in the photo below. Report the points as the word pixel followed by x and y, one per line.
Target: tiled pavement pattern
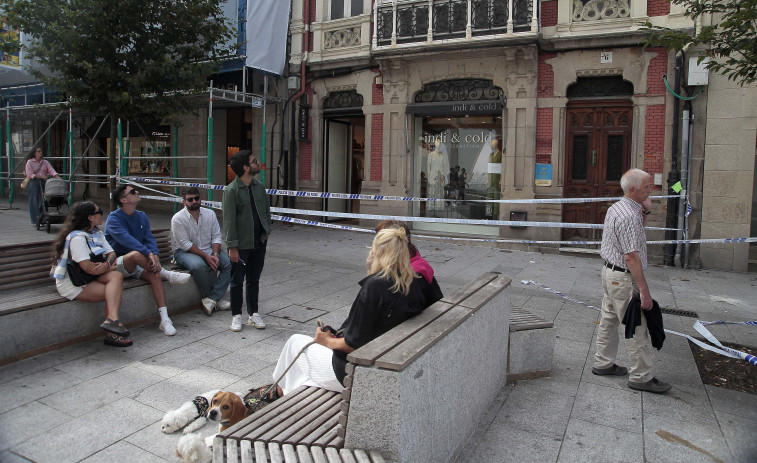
pixel 94 403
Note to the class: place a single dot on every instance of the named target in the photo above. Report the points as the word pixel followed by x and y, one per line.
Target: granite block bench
pixel 532 345
pixel 30 305
pixel 437 372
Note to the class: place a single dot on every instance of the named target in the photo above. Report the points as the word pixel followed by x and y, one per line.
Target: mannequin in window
pixel 437 168
pixel 494 180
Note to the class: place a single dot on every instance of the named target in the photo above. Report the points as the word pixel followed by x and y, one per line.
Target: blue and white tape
pixel 326 195
pixel 698 325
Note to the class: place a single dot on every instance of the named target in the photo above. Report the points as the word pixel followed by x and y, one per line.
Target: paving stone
pixel 157 444
pixel 585 441
pixel 739 433
pixel 96 393
pixel 671 439
pixel 10 457
pixel 619 409
pixel 26 421
pixel 34 386
pixel 299 313
pixel 42 362
pixel 570 351
pixel 520 446
pixel 124 451
pixel 179 360
pixel 244 363
pixel 112 423
pixel 733 402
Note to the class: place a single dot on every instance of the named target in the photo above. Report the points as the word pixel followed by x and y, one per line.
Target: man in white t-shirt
pixel 197 242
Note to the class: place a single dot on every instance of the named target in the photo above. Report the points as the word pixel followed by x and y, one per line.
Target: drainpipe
pixel 291 177
pixel 674 176
pixel 685 153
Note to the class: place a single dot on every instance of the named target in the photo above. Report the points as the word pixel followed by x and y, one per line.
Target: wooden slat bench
pixel 407 395
pixel 26 286
pixel 532 345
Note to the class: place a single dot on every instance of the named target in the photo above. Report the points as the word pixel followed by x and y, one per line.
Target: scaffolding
pixel 154 157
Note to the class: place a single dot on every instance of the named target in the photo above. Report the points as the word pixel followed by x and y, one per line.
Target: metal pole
pixel 674 176
pixel 71 164
pixel 2 161
pixel 262 137
pixel 121 162
pixel 210 142
pixel 9 152
pixel 175 169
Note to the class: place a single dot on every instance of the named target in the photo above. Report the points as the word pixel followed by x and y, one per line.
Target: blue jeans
pixel 35 188
pixel 254 260
pixel 202 273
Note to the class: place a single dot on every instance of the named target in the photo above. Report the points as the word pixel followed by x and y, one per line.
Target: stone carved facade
pixel 594 10
pixel 339 38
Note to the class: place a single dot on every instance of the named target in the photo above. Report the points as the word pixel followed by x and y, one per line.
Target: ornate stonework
pixel 594 10
pixel 340 38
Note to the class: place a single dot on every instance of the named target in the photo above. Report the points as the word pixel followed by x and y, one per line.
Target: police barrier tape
pixel 698 325
pixel 317 194
pixel 315 223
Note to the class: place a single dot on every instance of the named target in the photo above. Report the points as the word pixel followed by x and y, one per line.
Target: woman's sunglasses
pixel 99 211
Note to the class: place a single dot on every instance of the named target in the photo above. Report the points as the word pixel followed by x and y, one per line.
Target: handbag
pixel 77 275
pixel 25 183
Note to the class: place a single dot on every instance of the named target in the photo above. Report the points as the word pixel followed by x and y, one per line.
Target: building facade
pixel 517 99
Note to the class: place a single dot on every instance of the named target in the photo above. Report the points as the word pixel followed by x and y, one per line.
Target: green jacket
pixel 237 214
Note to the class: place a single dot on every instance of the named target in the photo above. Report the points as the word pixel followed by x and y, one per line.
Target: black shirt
pixel 375 311
pixel 257 227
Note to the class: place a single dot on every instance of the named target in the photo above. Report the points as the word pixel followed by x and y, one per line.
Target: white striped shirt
pixel 624 233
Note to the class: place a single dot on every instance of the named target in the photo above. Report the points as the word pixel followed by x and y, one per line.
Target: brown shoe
pixel 613 370
pixel 654 385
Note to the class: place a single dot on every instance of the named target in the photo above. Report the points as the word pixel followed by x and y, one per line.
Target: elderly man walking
pixel 624 250
pixel 197 242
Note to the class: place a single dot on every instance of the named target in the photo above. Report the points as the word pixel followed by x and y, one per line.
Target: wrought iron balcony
pixel 412 22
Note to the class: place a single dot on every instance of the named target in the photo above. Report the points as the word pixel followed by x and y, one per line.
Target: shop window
pixel 458 162
pixel 339 9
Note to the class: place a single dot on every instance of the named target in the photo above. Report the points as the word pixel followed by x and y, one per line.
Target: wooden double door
pixel 597 153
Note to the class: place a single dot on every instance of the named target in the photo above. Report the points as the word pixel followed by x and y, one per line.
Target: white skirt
pixel 312 368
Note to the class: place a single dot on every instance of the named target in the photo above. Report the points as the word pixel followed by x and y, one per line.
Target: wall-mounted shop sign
pixel 543 175
pixel 457 108
pixel 303 124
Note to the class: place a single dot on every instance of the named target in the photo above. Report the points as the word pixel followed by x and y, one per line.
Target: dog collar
pixel 202 405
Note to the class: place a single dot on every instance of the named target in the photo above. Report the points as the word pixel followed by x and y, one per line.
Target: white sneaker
pixel 223 304
pixel 208 305
pixel 177 278
pixel 257 321
pixel 236 323
pixel 166 326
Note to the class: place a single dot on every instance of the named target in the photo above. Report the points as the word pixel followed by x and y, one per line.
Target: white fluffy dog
pixel 191 414
pixel 192 449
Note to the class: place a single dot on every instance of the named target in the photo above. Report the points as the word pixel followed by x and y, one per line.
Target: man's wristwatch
pixel 214 254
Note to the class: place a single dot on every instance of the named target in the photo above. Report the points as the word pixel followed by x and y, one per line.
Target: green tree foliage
pixel 731 41
pixel 128 58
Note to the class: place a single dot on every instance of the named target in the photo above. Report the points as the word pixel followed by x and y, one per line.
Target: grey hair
pixel 632 178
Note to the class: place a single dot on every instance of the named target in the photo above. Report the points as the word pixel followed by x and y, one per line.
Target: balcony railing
pixel 414 21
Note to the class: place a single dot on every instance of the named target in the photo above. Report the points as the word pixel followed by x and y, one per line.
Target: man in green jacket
pixel 246 226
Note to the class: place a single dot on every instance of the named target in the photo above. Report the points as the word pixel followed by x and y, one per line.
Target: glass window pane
pixel 614 157
pixel 458 162
pixel 357 7
pixel 580 157
pixel 337 9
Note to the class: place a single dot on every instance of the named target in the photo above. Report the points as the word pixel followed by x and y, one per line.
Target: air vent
pixel 682 313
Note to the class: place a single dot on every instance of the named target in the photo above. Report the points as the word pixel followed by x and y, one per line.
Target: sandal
pixel 115 327
pixel 117 341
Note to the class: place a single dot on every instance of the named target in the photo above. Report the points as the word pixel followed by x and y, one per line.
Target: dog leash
pixel 252 402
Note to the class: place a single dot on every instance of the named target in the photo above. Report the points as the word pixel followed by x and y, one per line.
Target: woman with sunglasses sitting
pixel 85 268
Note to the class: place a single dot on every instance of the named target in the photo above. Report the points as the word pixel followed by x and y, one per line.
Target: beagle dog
pixel 227 408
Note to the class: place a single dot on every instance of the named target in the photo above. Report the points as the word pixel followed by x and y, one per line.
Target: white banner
pixel 267 25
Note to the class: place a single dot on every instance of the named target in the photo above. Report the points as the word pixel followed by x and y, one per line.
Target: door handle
pixel 593 158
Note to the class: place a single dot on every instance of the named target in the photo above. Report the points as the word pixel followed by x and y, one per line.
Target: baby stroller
pixel 55 196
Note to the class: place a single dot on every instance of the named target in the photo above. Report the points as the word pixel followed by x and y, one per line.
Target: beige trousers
pixel 618 289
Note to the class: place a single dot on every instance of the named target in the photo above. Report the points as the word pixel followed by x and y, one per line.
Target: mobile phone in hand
pixel 335 333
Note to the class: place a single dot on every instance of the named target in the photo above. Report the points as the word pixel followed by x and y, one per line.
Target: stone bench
pixel 532 344
pixel 34 318
pixel 414 394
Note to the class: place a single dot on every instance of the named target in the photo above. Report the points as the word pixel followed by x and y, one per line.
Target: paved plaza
pixel 93 403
